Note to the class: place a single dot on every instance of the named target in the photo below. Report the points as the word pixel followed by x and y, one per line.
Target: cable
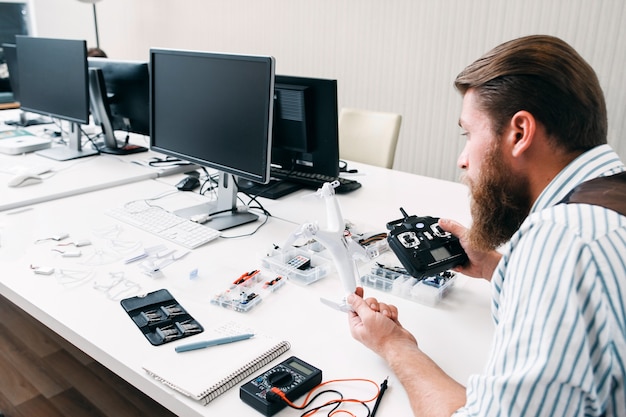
pixel 343 167
pixel 383 388
pixel 336 402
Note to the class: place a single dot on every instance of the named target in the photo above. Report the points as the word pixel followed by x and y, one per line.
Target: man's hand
pixel 481 264
pixel 376 325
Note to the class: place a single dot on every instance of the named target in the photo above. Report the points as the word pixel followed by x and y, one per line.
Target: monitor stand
pixel 223 213
pixel 101 112
pixel 24 121
pixel 122 148
pixel 72 151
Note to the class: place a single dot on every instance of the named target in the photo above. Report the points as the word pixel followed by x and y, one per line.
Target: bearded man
pixel 535 125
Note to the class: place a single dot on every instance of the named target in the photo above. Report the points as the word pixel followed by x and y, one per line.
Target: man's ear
pixel 521 133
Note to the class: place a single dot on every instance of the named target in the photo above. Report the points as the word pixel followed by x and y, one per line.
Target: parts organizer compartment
pixel 248 290
pixel 287 263
pixel 160 318
pixel 429 290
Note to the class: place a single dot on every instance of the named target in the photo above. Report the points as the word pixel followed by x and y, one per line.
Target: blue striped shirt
pixel 558 303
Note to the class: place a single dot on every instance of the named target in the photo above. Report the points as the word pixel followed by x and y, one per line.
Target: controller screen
pixel 440 253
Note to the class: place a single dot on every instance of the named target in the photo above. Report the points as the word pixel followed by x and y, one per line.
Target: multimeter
pixel 294 377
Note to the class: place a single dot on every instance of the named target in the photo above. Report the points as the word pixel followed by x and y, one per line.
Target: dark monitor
pixel 215 110
pixel 120 101
pixel 53 81
pixel 306 136
pixel 10 56
pixel 14 20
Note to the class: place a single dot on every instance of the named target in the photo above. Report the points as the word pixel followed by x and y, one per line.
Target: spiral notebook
pixel 205 374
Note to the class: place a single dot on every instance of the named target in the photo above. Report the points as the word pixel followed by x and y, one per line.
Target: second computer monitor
pixel 128 93
pixel 306 134
pixel 10 56
pixel 120 100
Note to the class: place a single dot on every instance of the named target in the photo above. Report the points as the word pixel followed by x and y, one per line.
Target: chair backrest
pixel 368 136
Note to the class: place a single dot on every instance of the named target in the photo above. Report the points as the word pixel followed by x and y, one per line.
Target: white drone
pixel 342 249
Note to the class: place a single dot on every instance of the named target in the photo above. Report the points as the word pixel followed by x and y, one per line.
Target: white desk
pixel 456 333
pixel 78 176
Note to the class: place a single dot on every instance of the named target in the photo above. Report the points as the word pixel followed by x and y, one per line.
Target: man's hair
pixel 546 77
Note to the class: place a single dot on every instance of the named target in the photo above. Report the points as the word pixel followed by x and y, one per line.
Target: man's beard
pixel 500 202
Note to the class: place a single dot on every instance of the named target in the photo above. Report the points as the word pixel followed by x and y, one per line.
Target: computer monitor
pixel 119 93
pixel 10 56
pixel 306 136
pixel 53 82
pixel 215 110
pixel 15 20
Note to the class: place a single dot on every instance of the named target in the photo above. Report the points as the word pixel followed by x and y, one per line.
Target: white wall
pixel 395 55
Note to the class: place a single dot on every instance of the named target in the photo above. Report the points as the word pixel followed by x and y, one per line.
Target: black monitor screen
pixel 213 109
pixel 13 20
pixel 53 77
pixel 10 55
pixel 305 125
pixel 128 93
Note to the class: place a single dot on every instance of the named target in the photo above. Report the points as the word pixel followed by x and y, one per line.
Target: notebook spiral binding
pixel 244 372
pixel 233 378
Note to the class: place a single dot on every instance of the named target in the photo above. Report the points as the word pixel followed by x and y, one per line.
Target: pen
pixel 383 388
pixel 214 342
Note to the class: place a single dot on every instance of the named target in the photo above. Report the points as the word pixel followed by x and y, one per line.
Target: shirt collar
pixel 599 161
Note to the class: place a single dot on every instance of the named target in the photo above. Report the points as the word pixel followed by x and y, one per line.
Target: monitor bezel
pixel 122 71
pixel 323 158
pixel 262 177
pixel 11 62
pixel 27 90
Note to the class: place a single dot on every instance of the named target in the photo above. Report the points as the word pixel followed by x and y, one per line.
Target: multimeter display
pixel 294 377
pixel 297 365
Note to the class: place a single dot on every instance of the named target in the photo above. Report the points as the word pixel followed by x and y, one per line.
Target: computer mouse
pixel 188 183
pixel 24 179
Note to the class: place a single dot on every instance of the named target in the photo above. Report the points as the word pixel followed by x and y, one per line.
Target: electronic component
pixel 422 247
pixel 299 262
pixel 427 290
pixel 160 317
pixel 42 270
pixel 248 290
pixel 294 377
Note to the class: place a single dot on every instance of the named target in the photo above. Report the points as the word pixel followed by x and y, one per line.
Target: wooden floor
pixel 43 375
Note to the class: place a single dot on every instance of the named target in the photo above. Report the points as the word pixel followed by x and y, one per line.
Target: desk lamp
pixel 95 18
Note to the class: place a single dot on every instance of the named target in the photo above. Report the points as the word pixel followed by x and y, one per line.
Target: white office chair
pixel 368 136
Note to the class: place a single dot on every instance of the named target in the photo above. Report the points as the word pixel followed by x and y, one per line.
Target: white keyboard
pixel 164 224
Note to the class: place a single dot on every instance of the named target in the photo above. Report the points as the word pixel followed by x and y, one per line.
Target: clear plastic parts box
pixel 429 290
pixel 285 263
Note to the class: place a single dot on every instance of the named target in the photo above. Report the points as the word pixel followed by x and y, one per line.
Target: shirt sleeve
pixel 549 341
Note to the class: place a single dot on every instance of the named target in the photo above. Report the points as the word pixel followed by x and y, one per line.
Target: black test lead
pixel 383 388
